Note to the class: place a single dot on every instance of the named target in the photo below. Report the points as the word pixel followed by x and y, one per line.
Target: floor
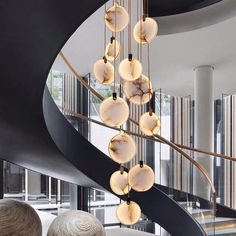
pixel 126 232
pixel 47 218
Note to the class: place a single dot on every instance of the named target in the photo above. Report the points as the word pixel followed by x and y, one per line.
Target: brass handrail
pixel 81 80
pixel 83 117
pixel 85 84
pixel 173 145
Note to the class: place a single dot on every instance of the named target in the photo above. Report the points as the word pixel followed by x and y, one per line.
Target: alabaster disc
pixel 76 223
pixel 145 30
pixel 116 18
pixel 103 72
pixel 112 50
pixel 122 148
pixel 128 214
pixel 139 91
pixel 114 112
pixel 149 124
pixel 130 70
pixel 18 218
pixel 119 182
pixel 141 178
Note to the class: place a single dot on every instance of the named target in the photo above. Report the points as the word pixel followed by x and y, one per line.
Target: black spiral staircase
pixel 33 132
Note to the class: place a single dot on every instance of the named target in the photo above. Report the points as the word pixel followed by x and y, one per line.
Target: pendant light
pixel 114 111
pixel 128 213
pixel 122 148
pixel 141 177
pixel 138 91
pixel 149 123
pixel 112 50
pixel 130 68
pixel 119 182
pixel 116 18
pixel 103 71
pixel 145 30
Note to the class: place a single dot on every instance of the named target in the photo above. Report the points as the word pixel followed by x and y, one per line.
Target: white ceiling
pixel 173 57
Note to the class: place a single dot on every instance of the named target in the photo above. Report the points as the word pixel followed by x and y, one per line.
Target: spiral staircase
pixel 36 135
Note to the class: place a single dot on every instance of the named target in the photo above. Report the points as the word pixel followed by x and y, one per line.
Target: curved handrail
pixel 86 85
pixel 195 163
pixel 169 143
pixel 151 138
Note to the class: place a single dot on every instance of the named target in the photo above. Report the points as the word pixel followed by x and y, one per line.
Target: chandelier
pixel 135 88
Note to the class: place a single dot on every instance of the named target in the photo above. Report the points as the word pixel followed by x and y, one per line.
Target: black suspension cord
pixel 114 86
pixel 129 30
pixel 149 77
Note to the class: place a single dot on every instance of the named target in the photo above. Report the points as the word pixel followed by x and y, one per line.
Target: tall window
pixel 41 191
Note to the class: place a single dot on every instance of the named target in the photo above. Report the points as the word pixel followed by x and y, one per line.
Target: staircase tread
pixel 183 203
pixel 224 231
pixel 217 220
pixel 196 211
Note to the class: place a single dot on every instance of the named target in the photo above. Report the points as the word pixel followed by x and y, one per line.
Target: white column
pixel 26 186
pixel 204 124
pixel 58 192
pixel 50 190
pixel 34 183
pixel 73 196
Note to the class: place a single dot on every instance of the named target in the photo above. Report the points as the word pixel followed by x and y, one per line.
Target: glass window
pixel 40 191
pixel 55 86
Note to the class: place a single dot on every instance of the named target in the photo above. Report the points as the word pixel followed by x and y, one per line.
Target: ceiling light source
pixel 149 123
pixel 145 30
pixel 139 91
pixel 103 71
pixel 116 18
pixel 128 213
pixel 114 111
pixel 122 148
pixel 119 182
pixel 141 177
